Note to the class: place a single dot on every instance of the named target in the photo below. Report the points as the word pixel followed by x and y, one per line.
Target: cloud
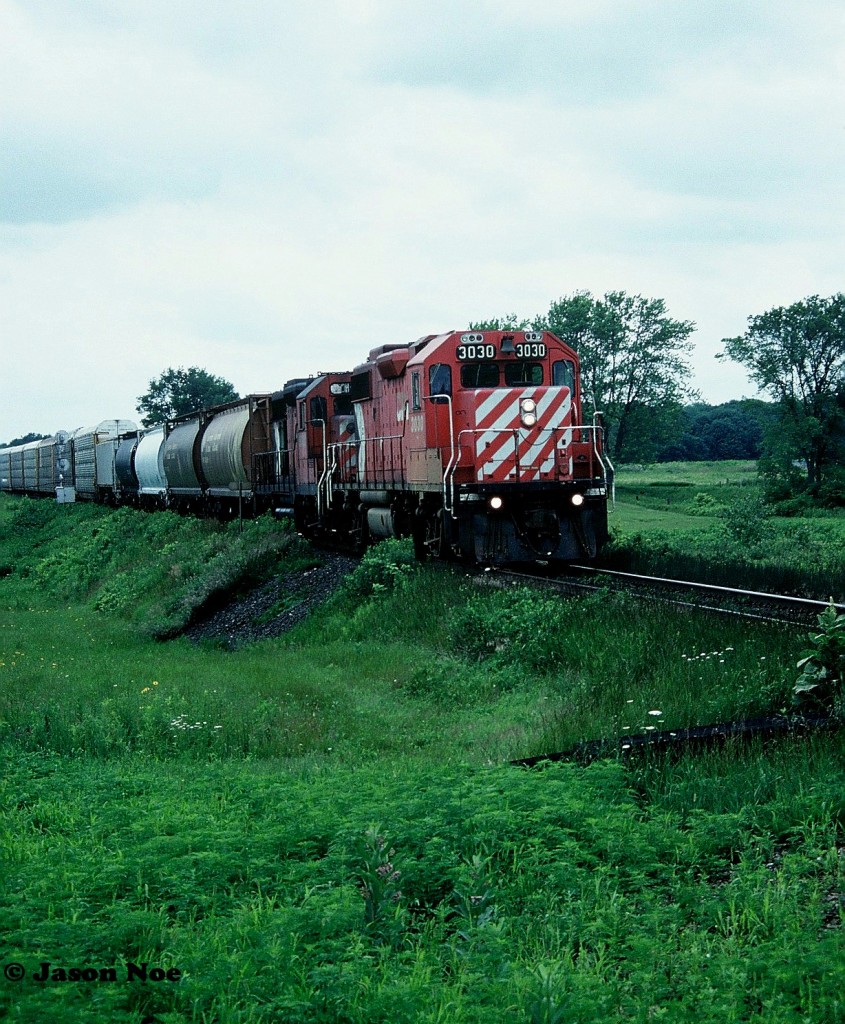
pixel 93 121
pixel 267 190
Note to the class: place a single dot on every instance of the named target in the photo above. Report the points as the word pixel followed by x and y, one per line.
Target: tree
pixel 176 392
pixel 26 439
pixel 797 354
pixel 632 363
pixel 509 322
pixel 732 430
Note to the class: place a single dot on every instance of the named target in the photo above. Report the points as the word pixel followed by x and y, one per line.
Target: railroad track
pixel 746 604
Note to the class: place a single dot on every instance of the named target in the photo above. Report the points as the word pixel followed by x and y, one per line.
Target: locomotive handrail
pixel 453 457
pixel 270 467
pixel 453 466
pixel 322 477
pixel 379 472
pixel 612 475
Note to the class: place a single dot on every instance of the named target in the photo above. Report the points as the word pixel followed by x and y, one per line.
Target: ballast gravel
pixel 237 622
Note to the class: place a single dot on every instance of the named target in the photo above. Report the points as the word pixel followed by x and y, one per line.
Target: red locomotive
pixel 473 443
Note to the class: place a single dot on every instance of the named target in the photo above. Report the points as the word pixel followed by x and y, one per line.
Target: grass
pixel 670 898
pixel 709 522
pixel 322 827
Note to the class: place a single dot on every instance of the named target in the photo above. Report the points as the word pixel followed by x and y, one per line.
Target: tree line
pixel 635 371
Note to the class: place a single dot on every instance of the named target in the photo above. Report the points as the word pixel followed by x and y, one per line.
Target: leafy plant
pixel 822 681
pixel 379 884
pixel 745 518
pixel 386 566
pixel 514 626
pixel 545 1007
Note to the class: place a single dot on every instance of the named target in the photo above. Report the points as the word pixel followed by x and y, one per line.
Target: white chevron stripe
pixel 490 403
pixel 496 443
pixel 554 421
pixel 508 415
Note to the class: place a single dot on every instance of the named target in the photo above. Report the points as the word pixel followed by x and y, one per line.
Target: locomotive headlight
pixel 577 499
pixel 496 503
pixel 528 412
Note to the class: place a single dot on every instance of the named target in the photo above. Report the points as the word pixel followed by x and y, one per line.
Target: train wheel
pixel 428 536
pixel 302 519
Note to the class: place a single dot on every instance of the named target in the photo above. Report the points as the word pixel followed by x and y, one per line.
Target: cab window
pixel 563 374
pixel 440 379
pixel 479 375
pixel 522 372
pixel 416 404
pixel 318 409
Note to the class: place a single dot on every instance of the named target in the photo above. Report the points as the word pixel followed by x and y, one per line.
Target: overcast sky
pixel 269 188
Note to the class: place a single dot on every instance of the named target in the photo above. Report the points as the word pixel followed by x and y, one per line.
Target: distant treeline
pixel 26 439
pixel 706 433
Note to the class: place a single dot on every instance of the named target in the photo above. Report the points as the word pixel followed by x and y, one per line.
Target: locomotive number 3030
pixel 476 352
pixel 531 350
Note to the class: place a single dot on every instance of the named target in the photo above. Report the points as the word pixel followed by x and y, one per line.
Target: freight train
pixel 473 443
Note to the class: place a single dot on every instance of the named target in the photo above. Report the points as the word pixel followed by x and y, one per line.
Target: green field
pixel 324 827
pixel 708 521
pixel 663 497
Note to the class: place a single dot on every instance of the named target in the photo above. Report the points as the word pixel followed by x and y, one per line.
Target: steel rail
pixel 713 587
pixel 800 605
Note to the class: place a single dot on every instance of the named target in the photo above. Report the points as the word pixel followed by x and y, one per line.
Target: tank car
pixel 149 469
pixel 209 458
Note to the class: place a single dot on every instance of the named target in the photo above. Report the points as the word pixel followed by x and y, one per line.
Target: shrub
pixel 513 626
pixel 385 566
pixel 745 519
pixel 821 685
